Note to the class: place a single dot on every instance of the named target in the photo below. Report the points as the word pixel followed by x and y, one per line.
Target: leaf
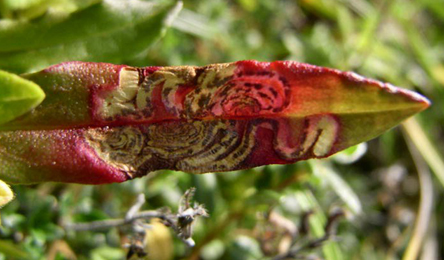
pixel 8 248
pixel 17 96
pixel 104 123
pixel 6 194
pixel 351 154
pixel 109 31
pixel 317 221
pixel 338 185
pixel 107 253
pixel 244 247
pixel 31 9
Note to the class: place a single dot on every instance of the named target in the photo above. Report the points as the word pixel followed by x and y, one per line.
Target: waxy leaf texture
pixel 17 96
pixel 103 123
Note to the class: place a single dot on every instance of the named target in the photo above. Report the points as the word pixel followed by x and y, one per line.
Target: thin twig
pixel 181 223
pixel 111 223
pixel 136 207
pixel 295 252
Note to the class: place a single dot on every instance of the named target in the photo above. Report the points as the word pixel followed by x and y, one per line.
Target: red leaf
pixel 105 123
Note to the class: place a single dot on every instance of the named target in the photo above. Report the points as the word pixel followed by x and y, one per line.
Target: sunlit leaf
pixel 351 154
pixel 107 253
pixel 17 96
pixel 105 123
pixel 109 31
pixel 31 9
pixel 6 194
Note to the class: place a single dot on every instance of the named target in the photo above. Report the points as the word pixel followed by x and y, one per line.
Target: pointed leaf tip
pixel 105 123
pixel 17 96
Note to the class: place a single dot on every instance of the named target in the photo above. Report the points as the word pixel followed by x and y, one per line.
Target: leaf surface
pixel 109 31
pixel 106 123
pixel 17 96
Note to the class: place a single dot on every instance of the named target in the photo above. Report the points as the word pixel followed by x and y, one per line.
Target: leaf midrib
pixel 117 124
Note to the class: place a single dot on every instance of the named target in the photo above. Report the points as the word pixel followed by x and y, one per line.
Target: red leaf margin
pixel 105 123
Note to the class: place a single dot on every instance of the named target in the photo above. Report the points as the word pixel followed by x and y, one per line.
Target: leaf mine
pixel 105 123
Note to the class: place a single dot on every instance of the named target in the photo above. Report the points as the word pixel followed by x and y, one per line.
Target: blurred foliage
pixel 398 41
pixel 109 31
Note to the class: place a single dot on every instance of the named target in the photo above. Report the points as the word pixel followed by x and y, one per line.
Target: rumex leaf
pixel 105 123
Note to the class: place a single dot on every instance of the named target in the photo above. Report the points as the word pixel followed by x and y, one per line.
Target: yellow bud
pixel 159 244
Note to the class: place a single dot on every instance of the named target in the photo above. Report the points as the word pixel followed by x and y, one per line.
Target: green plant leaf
pixel 107 253
pixel 31 9
pixel 110 31
pixel 307 202
pixel 17 96
pixel 326 172
pixel 8 248
pixel 351 154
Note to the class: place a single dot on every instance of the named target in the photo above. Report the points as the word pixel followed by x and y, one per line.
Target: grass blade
pixel 425 147
pixel 425 205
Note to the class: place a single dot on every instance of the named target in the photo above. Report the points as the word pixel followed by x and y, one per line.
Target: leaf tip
pixel 413 98
pixel 18 96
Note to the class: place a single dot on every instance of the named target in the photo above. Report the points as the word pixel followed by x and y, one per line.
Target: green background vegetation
pixel 385 193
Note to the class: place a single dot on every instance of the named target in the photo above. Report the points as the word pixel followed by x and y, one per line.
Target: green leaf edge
pixel 17 96
pixel 18 60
